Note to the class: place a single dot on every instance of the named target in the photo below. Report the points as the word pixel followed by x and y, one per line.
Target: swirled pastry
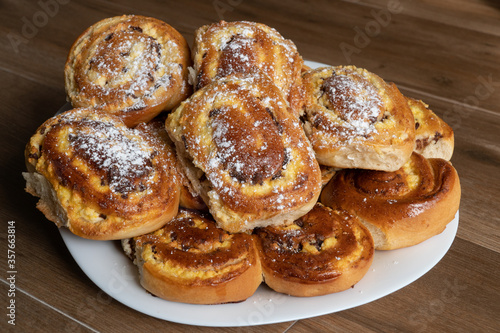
pixel 191 260
pixel 323 252
pixel 245 154
pixel 100 178
pixel 225 48
pixel 434 138
pixel 400 208
pixel 354 119
pixel 131 66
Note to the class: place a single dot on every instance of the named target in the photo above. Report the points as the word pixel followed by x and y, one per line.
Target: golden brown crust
pixel 354 119
pixel 100 178
pixel 400 208
pixel 131 66
pixel 190 260
pixel 224 48
pixel 323 252
pixel 433 137
pixel 245 153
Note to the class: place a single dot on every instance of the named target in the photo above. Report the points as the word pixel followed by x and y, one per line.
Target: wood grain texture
pixel 446 53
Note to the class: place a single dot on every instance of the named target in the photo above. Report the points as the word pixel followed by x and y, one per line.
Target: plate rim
pixel 263 304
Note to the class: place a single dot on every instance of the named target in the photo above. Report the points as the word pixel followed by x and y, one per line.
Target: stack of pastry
pixel 237 164
pixel 390 152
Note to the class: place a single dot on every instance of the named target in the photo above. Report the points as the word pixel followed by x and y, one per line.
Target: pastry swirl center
pixel 121 162
pixel 197 243
pixel 237 56
pixel 249 144
pixel 382 183
pixel 353 99
pixel 123 55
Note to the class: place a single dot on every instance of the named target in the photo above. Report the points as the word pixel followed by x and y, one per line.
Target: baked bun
pixel 130 66
pixel 245 154
pixel 100 178
pixel 225 48
pixel 434 138
pixel 323 252
pixel 191 260
pixel 400 208
pixel 354 119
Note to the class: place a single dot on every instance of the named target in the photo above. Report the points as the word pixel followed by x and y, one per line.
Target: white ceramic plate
pixel 107 266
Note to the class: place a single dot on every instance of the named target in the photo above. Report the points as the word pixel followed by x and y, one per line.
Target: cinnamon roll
pixel 191 260
pixel 434 138
pixel 100 178
pixel 130 66
pixel 400 208
pixel 354 119
pixel 245 154
pixel 225 48
pixel 323 252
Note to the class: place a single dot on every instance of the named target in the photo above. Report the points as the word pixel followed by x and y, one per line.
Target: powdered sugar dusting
pixel 131 66
pixel 126 162
pixel 356 102
pixel 249 153
pixel 238 45
pixel 244 46
pixel 253 154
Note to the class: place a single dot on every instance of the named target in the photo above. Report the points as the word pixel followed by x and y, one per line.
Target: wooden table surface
pixel 446 53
